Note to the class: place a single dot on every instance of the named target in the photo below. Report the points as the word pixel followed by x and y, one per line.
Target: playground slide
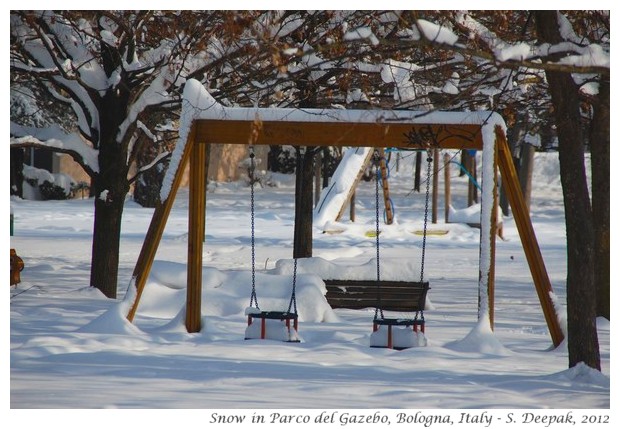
pixel 338 193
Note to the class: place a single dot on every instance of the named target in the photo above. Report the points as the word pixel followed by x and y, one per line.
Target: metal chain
pixel 429 160
pixel 253 298
pixel 428 187
pixel 378 309
pixel 293 301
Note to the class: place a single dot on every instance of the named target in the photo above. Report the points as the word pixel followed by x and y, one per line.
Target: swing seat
pixel 404 296
pixel 385 336
pixel 274 325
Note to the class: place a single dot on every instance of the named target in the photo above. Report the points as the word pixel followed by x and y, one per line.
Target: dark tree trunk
pixel 302 246
pixel 110 189
pixel 304 174
pixel 111 186
pixel 325 169
pixel 515 137
pixel 580 287
pixel 600 156
pixel 418 169
pixel 17 172
pixel 148 183
pixel 106 239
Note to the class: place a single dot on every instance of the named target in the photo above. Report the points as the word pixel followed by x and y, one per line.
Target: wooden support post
pixel 486 273
pixel 352 208
pixel 195 237
pixel 145 259
pixel 447 194
pixel 529 242
pixel 492 249
pixel 435 183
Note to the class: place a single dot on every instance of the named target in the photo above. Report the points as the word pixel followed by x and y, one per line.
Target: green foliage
pixel 51 191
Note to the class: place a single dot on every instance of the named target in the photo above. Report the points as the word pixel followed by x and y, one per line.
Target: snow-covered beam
pixel 353 134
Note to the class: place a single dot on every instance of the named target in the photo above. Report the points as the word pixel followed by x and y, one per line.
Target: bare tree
pixel 113 70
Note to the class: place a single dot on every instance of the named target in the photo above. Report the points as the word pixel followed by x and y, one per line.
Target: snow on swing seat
pixel 398 334
pixel 271 325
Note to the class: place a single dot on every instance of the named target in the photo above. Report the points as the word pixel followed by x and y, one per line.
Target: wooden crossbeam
pixel 381 134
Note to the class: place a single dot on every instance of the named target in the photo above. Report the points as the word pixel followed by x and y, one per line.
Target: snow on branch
pixel 361 33
pixel 159 158
pixel 155 94
pixel 436 33
pixel 591 58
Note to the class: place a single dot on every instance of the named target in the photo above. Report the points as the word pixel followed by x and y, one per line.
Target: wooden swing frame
pixel 314 127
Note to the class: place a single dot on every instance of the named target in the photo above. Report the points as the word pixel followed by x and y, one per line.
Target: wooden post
pixel 206 179
pixel 493 236
pixel 153 236
pixel 486 298
pixel 528 237
pixel 352 207
pixel 435 183
pixel 195 236
pixel 446 179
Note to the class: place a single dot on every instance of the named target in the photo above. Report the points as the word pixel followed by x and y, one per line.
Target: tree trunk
pixel 106 241
pixel 111 186
pixel 418 169
pixel 600 156
pixel 302 246
pixel 110 189
pixel 514 137
pixel 525 172
pixel 17 172
pixel 148 183
pixel 580 287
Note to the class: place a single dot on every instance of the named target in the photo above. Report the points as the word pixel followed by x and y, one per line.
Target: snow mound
pixel 480 339
pixel 112 321
pixel 583 374
pixel 394 269
pixel 227 293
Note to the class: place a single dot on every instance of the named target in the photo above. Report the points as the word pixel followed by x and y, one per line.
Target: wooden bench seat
pixel 395 295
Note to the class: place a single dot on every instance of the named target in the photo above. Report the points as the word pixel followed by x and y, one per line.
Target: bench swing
pixel 272 325
pixel 400 333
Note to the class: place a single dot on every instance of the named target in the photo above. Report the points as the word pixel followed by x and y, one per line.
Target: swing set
pixel 408 337
pixel 209 122
pixel 253 311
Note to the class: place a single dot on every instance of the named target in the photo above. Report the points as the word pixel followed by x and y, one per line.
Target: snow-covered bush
pixel 46 185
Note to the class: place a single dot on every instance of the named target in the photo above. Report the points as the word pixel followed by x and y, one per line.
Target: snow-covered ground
pixel 70 347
